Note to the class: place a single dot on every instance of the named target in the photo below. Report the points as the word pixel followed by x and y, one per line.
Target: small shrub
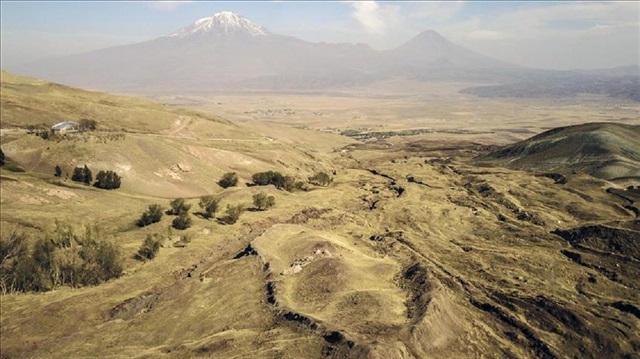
pixel 262 202
pixel 149 248
pixel 152 215
pixel 45 134
pixel 87 124
pixel 178 206
pixel 229 179
pixel 209 204
pixel 232 214
pixel 57 171
pixel 320 179
pixel 183 221
pixel 107 180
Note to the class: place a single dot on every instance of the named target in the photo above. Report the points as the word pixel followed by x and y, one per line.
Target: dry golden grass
pixel 458 261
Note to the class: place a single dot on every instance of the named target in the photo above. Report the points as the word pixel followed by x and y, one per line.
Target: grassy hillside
pixel 412 251
pixel 157 150
pixel 604 150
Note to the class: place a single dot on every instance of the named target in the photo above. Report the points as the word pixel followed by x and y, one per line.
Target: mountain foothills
pixel 229 52
pixel 603 150
pixel 236 239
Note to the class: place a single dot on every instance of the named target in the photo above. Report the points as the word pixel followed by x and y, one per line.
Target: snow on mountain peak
pixel 222 23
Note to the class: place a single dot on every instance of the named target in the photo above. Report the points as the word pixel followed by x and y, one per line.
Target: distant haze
pixel 552 35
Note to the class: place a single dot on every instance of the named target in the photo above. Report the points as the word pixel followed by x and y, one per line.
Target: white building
pixel 66 126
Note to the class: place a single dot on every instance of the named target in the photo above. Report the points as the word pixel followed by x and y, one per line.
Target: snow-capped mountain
pixel 222 24
pixel 229 52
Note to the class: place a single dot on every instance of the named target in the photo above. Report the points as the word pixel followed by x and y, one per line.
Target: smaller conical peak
pixel 222 23
pixel 431 35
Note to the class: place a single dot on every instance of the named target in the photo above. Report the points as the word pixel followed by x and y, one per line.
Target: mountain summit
pixel 227 51
pixel 224 23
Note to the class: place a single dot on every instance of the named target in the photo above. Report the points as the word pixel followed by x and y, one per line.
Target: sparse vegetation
pixel 178 206
pixel 232 213
pixel 261 201
pixel 107 180
pixel 229 179
pixel 149 248
pixel 72 260
pixel 153 214
pixel 320 179
pixel 209 205
pixel 183 221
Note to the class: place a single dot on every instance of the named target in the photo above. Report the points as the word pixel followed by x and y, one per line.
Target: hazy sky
pixel 543 34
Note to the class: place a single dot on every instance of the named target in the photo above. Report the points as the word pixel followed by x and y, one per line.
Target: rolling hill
pixel 604 150
pixel 412 250
pixel 181 150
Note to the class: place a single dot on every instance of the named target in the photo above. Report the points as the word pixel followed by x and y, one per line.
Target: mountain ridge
pixel 227 51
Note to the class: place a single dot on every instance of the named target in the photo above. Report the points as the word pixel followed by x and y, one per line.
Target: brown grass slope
pixel 411 252
pixel 158 151
pixel 604 150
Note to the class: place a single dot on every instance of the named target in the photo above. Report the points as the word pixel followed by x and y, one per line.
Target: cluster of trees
pixel 180 208
pixel 82 174
pixel 107 180
pixel 277 179
pixel 61 258
pixel 289 183
pixel 104 179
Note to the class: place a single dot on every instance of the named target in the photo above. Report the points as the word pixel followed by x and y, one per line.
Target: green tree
pixel 232 214
pixel 183 221
pixel 58 171
pixel 267 178
pixel 153 214
pixel 28 276
pixel 78 175
pixel 209 204
pixel 149 248
pixel 261 201
pixel 82 174
pixel 178 206
pixel 107 180
pixel 87 176
pixel 229 179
